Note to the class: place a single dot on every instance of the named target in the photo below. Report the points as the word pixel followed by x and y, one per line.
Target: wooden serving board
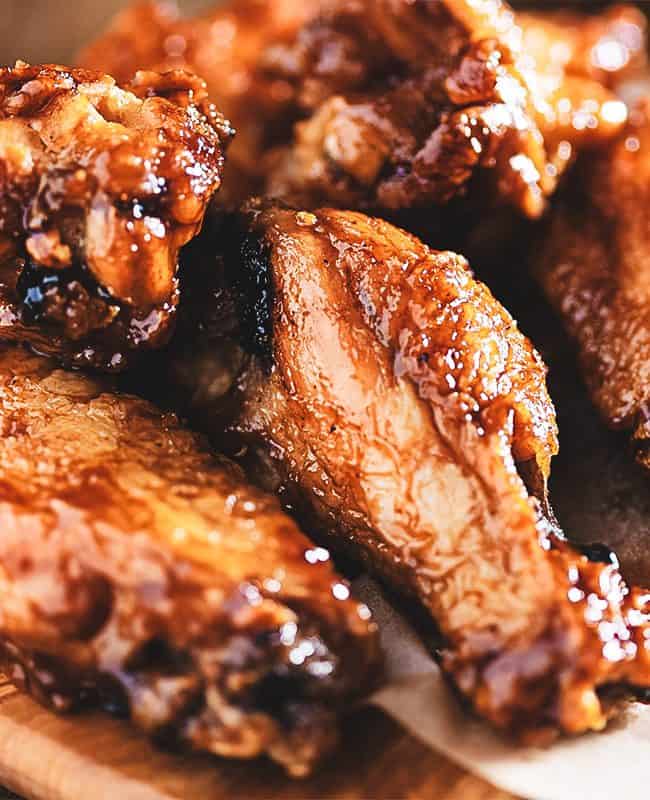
pixel 94 757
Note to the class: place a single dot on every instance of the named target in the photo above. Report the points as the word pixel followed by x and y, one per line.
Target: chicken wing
pixel 222 45
pixel 408 102
pixel 142 573
pixel 99 189
pixel 393 403
pixel 595 269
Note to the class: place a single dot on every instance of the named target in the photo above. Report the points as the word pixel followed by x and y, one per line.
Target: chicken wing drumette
pixel 99 189
pixel 407 102
pixel 140 572
pixel 222 45
pixel 392 402
pixel 595 269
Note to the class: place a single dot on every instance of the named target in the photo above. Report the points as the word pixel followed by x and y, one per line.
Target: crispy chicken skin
pixel 141 572
pixel 389 399
pixel 222 45
pixel 407 102
pixel 595 269
pixel 99 189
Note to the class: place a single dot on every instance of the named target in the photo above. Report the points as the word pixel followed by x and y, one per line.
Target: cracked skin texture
pixel 389 400
pixel 137 570
pixel 101 186
pixel 594 268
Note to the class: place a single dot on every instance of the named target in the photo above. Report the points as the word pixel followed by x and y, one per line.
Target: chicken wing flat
pixel 99 189
pixel 140 572
pixel 595 269
pixel 393 403
pixel 407 102
pixel 222 45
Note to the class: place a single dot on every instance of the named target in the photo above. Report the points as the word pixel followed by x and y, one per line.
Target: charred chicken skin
pixel 222 45
pixel 100 187
pixel 406 103
pixel 390 400
pixel 595 269
pixel 140 572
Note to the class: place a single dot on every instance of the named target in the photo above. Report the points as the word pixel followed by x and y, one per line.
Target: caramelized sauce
pixel 400 399
pixel 101 188
pixel 143 574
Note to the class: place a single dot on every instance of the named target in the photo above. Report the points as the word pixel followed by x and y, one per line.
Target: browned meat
pixel 390 399
pixel 222 45
pixel 595 268
pixel 99 189
pixel 140 572
pixel 406 102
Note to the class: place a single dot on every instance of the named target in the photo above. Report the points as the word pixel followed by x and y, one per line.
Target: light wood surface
pixel 94 757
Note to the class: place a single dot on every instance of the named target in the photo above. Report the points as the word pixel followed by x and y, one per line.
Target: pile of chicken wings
pixel 223 366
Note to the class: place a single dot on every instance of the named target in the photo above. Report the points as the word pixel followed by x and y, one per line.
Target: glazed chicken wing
pixel 140 572
pixel 595 269
pixel 99 189
pixel 393 403
pixel 222 45
pixel 408 103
